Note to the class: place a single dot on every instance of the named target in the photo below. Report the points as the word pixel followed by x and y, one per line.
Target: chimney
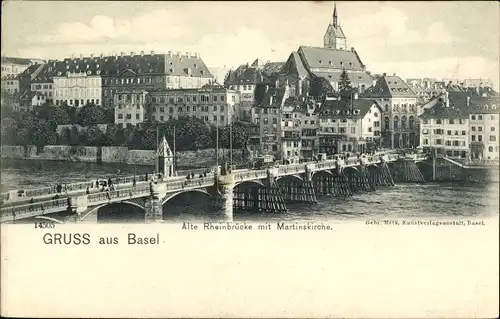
pixel 468 100
pixel 91 55
pixel 102 55
pixel 169 53
pixel 374 82
pixel 72 55
pixel 152 52
pixel 132 53
pixel 122 53
pixel 384 74
pixel 142 53
pixel 187 54
pixel 394 74
pixel 447 97
pixel 352 49
pixel 81 56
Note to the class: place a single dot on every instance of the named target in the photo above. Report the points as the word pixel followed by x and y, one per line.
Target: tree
pixel 64 137
pixel 23 137
pixel 320 87
pixel 44 135
pixel 93 136
pixel 345 88
pixel 9 131
pixel 90 114
pixel 148 140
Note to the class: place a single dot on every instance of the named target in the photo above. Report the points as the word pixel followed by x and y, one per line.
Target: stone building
pixel 211 103
pixel 400 109
pixel 247 78
pixel 349 126
pixel 153 71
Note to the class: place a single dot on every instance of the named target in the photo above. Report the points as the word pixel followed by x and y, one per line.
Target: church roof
pixel 294 65
pixel 163 148
pixel 325 58
pixel 355 77
pixel 245 74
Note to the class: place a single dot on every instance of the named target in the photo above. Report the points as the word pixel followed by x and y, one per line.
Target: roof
pixel 333 107
pixel 23 61
pixel 169 64
pixel 458 107
pixel 353 76
pixel 163 148
pixel 294 65
pixel 271 68
pixel 258 62
pixel 245 74
pixel 11 77
pixel 388 87
pixel 324 58
pixel 336 31
pixel 274 97
pixel 29 95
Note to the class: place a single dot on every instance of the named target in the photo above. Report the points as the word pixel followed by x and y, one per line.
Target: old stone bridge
pixel 264 190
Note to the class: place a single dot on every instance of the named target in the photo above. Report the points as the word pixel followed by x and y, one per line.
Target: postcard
pixel 250 159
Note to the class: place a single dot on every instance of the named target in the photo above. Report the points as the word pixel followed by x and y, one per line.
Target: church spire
pixel 335 14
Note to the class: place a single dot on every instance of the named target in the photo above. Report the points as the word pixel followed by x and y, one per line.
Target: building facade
pixel 11 84
pixel 212 103
pixel 152 71
pixel 349 126
pixel 400 109
pixel 130 107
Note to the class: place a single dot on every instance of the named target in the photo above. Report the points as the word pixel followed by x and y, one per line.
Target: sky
pixel 411 39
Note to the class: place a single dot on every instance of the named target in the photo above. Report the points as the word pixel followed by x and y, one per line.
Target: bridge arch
pixel 257 182
pixel 95 209
pixel 170 196
pixel 295 177
pixel 323 172
pixel 49 219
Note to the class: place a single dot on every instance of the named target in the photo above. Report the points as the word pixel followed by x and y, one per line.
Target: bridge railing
pixel 22 210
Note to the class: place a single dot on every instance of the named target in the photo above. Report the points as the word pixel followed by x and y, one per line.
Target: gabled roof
pixel 388 87
pixel 484 105
pixel 331 108
pixel 315 57
pixel 272 68
pixel 245 74
pixel 258 62
pixel 274 97
pixel 294 65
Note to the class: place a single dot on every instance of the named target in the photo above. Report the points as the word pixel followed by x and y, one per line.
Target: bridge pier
pixel 272 199
pixel 406 170
pixel 78 205
pixel 153 207
pixel 224 202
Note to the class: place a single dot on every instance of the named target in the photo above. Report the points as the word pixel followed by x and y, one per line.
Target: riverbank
pixel 115 154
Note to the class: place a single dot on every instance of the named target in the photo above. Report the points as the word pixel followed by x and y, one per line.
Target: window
pixel 473 117
pixel 353 130
pixel 479 138
pixel 473 128
pixel 137 116
pixel 448 132
pixel 439 141
pixel 452 121
pixel 438 121
pixel 479 117
pixel 129 116
pixel 455 143
pixel 162 109
pixel 493 138
pixel 162 118
pixel 456 132
pixel 170 110
pixel 490 149
pixel 426 121
pixel 120 116
pixel 215 118
pixel 480 128
pixel 448 143
pixel 492 117
pixel 222 118
pixel 215 98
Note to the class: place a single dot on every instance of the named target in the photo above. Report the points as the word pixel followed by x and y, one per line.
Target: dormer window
pixel 330 62
pixel 341 63
pixel 320 62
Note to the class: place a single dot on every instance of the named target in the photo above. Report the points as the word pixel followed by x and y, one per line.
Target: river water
pixel 431 200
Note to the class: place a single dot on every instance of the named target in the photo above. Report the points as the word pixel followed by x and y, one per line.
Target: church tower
pixel 165 159
pixel 334 36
